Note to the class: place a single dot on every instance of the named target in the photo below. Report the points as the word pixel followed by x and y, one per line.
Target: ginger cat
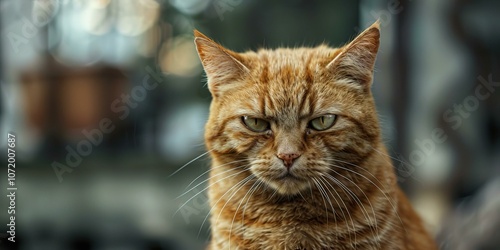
pixel 297 156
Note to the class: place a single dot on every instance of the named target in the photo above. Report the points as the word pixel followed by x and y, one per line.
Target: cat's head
pixel 291 115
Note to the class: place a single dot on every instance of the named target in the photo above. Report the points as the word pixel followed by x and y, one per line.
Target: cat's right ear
pixel 355 61
pixel 222 66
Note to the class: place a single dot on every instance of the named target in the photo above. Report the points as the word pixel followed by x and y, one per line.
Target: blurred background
pixel 107 100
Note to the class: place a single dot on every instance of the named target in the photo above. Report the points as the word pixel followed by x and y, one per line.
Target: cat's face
pixel 290 116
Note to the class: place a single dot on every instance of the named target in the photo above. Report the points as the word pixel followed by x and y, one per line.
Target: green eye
pixel 323 122
pixel 255 124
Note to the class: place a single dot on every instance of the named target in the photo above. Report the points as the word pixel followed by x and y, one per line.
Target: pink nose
pixel 288 159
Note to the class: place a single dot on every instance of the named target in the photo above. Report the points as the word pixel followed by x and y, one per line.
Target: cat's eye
pixel 323 122
pixel 255 124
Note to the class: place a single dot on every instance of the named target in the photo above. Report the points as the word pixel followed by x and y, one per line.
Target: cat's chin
pixel 288 184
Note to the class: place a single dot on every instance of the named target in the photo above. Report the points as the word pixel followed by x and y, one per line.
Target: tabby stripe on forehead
pixel 269 101
pixel 312 101
pixel 309 81
pixel 262 103
pixel 304 98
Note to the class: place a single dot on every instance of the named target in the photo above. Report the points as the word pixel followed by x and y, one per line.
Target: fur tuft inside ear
pixel 221 65
pixel 354 64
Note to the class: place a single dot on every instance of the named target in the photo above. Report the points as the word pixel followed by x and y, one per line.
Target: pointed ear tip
pixel 374 29
pixel 198 34
pixel 375 26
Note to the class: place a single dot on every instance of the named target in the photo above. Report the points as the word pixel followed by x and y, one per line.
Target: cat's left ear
pixel 223 66
pixel 354 63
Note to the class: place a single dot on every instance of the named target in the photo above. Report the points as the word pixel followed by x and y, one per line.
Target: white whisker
pixel 210 169
pixel 206 189
pixel 208 179
pixel 380 189
pixel 347 210
pixel 191 161
pixel 217 202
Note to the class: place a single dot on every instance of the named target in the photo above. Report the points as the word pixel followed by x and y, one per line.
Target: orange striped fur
pixel 340 191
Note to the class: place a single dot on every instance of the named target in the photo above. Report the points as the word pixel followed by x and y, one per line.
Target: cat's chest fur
pixel 288 237
pixel 275 236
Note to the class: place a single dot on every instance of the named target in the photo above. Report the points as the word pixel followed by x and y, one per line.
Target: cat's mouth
pixel 288 176
pixel 280 179
pixel 287 183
